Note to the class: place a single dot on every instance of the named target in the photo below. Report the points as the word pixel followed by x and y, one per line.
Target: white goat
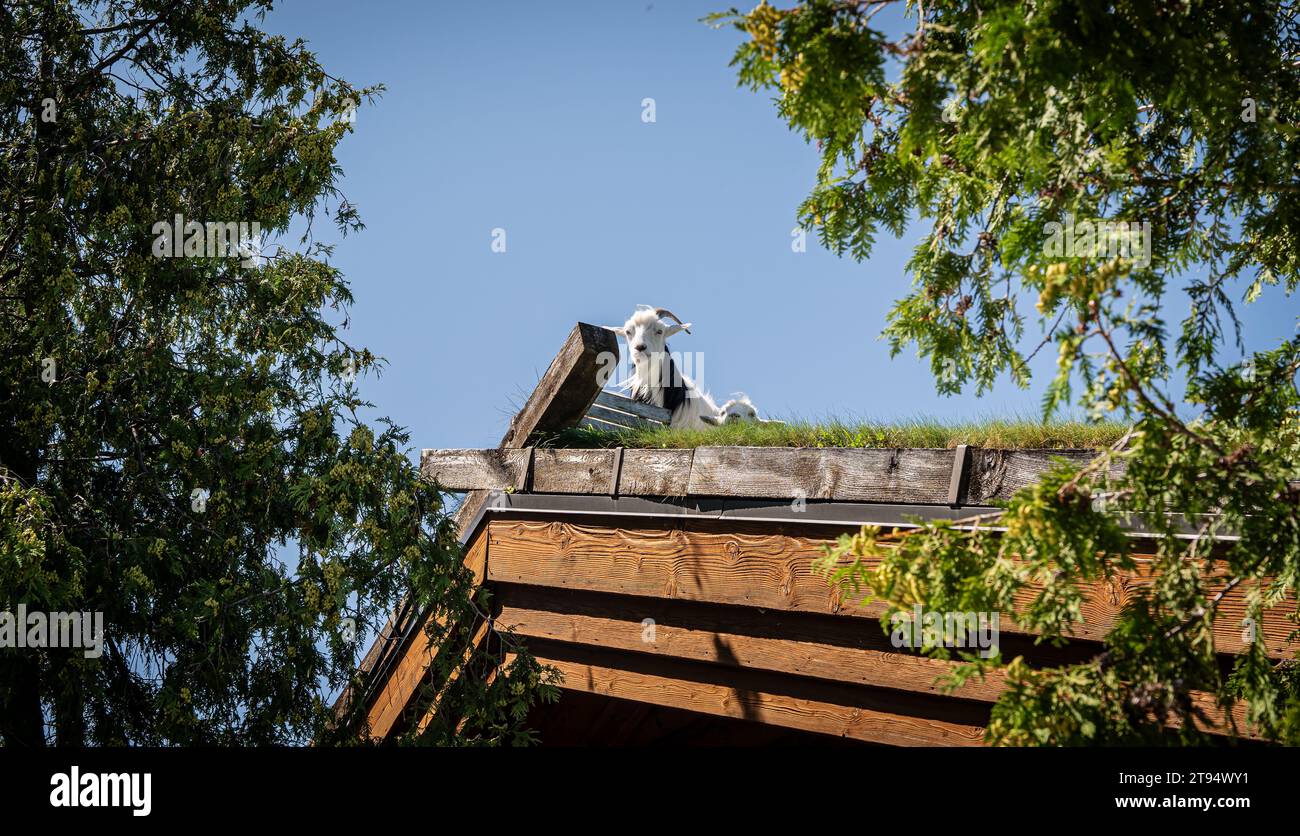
pixel 738 409
pixel 657 380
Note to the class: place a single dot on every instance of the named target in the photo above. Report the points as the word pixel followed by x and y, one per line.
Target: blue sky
pixel 527 117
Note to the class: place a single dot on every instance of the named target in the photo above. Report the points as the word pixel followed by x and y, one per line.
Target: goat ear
pixel 712 419
pixel 673 329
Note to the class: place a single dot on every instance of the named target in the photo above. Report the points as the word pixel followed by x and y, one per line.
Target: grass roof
pixel 920 432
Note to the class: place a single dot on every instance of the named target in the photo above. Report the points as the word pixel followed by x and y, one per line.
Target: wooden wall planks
pixel 840 650
pixel 824 707
pixel 751 565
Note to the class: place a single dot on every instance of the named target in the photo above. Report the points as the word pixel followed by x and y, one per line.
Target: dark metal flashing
pixel 960 476
pixel 838 514
pixel 532 467
pixel 810 512
pixel 618 472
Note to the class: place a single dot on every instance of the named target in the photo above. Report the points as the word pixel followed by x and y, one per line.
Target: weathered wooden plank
pixel 849 474
pixel 569 386
pixel 650 412
pixel 997 474
pixel 613 416
pixel 562 396
pixel 915 476
pixel 826 708
pixel 573 471
pixel 840 650
pixel 597 424
pixel 649 472
pixel 749 565
pixel 464 470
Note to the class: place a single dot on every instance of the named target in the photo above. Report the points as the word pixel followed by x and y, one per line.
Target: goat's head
pixel 647 332
pixel 737 410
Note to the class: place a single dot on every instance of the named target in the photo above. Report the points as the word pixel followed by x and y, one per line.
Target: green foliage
pixel 133 381
pixel 987 124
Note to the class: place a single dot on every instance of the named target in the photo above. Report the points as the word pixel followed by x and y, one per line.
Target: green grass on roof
pixel 922 432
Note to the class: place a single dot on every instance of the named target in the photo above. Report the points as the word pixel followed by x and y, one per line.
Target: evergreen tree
pixel 180 445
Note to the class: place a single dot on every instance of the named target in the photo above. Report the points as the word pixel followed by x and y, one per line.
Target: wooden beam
pixel 912 476
pixel 648 412
pixel 569 386
pixel 500 469
pixel 995 475
pixel 810 705
pixel 573 471
pixel 794 643
pixel 753 565
pixel 851 475
pixel 474 645
pixel 561 398
pixel 648 472
pixel 613 416
pixel 409 668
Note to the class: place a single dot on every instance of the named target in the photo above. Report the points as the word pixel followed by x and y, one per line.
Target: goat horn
pixel 666 312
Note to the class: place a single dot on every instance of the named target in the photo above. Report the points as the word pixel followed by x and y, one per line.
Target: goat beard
pixel 658 383
pixel 645 388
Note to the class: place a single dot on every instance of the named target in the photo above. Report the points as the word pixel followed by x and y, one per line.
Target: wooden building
pixel 673 589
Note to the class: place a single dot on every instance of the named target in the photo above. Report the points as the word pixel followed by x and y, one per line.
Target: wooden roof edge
pixel 964 476
pixel 561 398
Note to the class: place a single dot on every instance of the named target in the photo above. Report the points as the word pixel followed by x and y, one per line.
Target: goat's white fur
pixel 737 410
pixel 646 333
